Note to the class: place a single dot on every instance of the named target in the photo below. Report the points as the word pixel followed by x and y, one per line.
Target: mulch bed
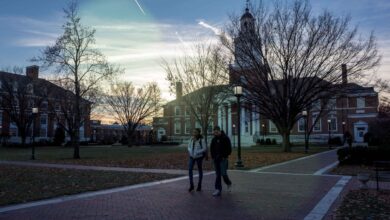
pixel 364 204
pixel 353 170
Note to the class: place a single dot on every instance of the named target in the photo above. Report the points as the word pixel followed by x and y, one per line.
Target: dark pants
pixel 221 166
pixel 199 162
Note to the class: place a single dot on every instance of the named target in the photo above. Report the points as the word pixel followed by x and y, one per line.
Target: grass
pixel 23 184
pixel 364 204
pixel 162 157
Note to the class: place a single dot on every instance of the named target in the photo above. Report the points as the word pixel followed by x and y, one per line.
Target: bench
pixel 382 172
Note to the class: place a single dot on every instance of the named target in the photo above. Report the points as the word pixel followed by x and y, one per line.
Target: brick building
pixel 21 93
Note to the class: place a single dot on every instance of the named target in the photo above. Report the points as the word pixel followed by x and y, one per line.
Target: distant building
pixel 45 122
pixel 350 112
pixel 115 133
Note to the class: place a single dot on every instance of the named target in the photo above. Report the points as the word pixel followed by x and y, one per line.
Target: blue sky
pixel 138 36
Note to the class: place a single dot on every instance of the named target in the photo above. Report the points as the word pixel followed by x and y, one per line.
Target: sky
pixel 138 34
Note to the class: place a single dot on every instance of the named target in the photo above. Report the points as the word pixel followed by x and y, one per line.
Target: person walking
pixel 197 150
pixel 220 150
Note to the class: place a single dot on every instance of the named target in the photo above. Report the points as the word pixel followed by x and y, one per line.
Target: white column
pixel 219 115
pixel 242 121
pixel 229 122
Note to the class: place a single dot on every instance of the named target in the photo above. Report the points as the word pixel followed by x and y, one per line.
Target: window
pixel 247 120
pixel 317 125
pixel 13 130
pixel 43 126
pixel 15 86
pixel 317 104
pixel 272 127
pixel 332 103
pixel 44 105
pixel 187 127
pixel 301 124
pixel 177 110
pixel 360 102
pixel 57 107
pixel 187 111
pixel 177 127
pixel 333 123
pixel 43 120
pixel 30 89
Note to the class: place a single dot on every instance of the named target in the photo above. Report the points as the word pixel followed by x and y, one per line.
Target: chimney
pixel 179 90
pixel 344 73
pixel 32 71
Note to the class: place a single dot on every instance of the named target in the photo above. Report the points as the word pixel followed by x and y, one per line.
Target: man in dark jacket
pixel 220 150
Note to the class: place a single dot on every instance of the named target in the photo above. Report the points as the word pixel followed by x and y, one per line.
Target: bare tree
pixel 202 74
pixel 131 106
pixel 289 58
pixel 78 63
pixel 19 95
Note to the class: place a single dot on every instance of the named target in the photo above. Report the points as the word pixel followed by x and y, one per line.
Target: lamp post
pixel 234 131
pixel 238 93
pixel 343 123
pixel 263 129
pixel 304 115
pixel 34 114
pixel 329 134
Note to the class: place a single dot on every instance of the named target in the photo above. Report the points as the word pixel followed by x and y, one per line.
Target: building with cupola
pixel 352 111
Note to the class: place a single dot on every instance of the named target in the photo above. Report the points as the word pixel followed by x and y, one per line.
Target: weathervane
pixel 247 4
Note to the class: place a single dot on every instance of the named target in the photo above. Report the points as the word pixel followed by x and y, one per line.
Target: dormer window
pixel 15 86
pixel 30 89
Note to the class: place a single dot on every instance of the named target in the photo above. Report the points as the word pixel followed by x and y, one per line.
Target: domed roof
pixel 247 14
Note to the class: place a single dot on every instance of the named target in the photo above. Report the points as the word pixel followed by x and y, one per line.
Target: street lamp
pixel 304 115
pixel 238 93
pixel 234 132
pixel 263 129
pixel 329 134
pixel 343 126
pixel 34 114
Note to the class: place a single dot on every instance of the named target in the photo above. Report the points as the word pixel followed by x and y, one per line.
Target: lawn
pixel 365 204
pixel 162 157
pixel 23 184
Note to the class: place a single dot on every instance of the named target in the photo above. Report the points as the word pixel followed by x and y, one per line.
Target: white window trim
pixel 175 128
pixel 175 113
pixel 43 126
pixel 331 117
pixel 187 130
pixel 301 120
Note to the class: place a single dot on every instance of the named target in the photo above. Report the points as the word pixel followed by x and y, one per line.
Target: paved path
pixel 83 167
pixel 285 191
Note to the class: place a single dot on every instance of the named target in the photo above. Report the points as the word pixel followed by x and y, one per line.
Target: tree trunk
pixel 286 142
pixel 129 139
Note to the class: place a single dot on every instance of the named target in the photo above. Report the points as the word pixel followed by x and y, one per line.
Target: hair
pixel 217 128
pixel 199 133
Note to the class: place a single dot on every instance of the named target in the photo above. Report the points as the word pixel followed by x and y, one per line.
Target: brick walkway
pixel 287 191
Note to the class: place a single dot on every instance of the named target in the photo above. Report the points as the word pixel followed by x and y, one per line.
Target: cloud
pixel 216 30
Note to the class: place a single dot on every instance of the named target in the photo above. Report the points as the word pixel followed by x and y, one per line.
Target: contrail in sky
pixel 139 6
pixel 181 39
pixel 214 29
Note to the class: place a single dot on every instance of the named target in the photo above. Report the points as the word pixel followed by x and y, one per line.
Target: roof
pixel 42 83
pixel 247 14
